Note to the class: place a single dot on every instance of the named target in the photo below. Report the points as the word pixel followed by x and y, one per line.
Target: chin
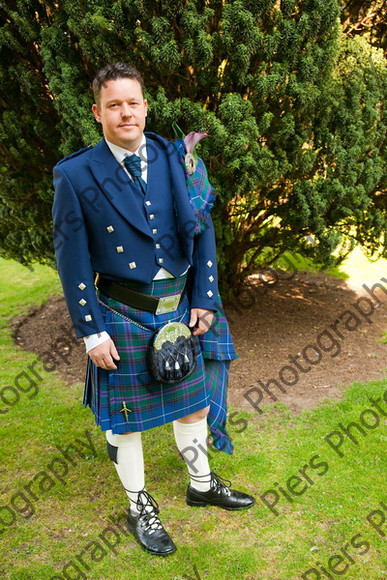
pixel 131 134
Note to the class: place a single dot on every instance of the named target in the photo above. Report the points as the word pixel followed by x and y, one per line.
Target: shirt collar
pixel 120 153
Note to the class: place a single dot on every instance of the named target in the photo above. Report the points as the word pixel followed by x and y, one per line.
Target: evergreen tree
pixel 294 109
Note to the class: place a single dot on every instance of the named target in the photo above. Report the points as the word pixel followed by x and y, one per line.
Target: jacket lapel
pixel 117 187
pixel 152 169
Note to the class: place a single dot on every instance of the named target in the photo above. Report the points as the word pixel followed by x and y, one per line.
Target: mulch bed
pixel 270 326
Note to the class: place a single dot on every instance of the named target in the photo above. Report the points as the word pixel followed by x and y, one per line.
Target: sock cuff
pixel 123 439
pixel 186 428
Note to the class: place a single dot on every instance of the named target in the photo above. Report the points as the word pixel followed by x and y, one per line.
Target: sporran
pixel 172 353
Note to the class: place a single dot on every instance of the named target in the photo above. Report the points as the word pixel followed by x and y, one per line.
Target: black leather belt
pixel 138 300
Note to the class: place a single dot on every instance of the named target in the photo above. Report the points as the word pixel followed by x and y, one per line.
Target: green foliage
pixel 295 112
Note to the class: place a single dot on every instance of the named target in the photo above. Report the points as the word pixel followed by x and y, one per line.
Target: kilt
pixel 148 402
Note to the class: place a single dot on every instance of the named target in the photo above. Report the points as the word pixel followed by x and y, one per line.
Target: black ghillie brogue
pixel 147 528
pixel 220 495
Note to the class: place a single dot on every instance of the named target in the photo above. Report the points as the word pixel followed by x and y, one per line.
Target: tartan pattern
pixel 217 381
pixel 150 403
pixel 201 193
pixel 217 343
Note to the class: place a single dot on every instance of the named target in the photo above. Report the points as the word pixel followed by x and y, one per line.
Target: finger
pixel 114 352
pixel 204 323
pixel 193 319
pixel 206 319
pixel 108 363
pixel 199 329
pixel 105 362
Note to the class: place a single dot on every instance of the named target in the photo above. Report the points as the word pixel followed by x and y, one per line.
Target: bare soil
pixel 269 323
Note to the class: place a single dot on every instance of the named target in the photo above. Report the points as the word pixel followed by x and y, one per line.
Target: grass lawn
pixel 356 266
pixel 321 494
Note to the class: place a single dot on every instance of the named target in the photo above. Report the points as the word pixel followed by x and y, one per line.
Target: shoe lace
pixel 218 482
pixel 148 508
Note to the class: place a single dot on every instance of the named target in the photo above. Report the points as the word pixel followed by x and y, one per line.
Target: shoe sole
pixel 163 554
pixel 147 549
pixel 192 503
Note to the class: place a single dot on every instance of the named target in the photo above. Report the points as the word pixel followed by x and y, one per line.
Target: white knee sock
pixel 130 463
pixel 191 441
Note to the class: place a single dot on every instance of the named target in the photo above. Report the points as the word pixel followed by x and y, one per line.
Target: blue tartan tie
pixel 133 165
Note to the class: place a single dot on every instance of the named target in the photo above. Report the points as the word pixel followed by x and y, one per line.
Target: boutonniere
pixel 190 142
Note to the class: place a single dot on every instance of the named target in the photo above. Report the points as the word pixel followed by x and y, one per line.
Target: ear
pixel 96 113
pixel 146 107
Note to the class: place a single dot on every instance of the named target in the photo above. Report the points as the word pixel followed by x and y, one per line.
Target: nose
pixel 125 110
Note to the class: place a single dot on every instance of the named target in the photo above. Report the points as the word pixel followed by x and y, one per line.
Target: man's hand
pixel 201 319
pixel 103 355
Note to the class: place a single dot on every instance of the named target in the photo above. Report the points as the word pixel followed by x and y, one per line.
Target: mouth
pixel 127 125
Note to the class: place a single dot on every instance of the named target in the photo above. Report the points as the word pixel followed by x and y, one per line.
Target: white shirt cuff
pixel 96 339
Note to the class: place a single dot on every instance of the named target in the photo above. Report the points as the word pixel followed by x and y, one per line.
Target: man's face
pixel 122 112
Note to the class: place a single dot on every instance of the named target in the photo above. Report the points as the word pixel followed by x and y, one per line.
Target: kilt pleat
pixel 217 381
pixel 148 402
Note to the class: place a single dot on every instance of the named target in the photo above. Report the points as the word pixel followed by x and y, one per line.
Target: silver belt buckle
pixel 168 304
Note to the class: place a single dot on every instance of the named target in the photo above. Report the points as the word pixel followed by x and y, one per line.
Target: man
pixel 122 211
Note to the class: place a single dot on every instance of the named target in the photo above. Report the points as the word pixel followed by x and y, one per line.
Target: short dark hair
pixel 112 72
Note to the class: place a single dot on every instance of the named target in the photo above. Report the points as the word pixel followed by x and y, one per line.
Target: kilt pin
pixel 104 224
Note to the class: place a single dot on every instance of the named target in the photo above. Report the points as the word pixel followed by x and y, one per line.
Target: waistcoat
pixel 160 213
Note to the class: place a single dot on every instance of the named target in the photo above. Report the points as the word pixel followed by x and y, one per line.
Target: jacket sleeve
pixel 204 270
pixel 73 259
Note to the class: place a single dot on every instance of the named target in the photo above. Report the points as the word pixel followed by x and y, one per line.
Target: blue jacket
pixel 102 223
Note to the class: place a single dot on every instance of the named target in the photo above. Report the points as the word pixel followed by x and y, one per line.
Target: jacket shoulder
pixel 167 146
pixel 155 138
pixel 73 155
